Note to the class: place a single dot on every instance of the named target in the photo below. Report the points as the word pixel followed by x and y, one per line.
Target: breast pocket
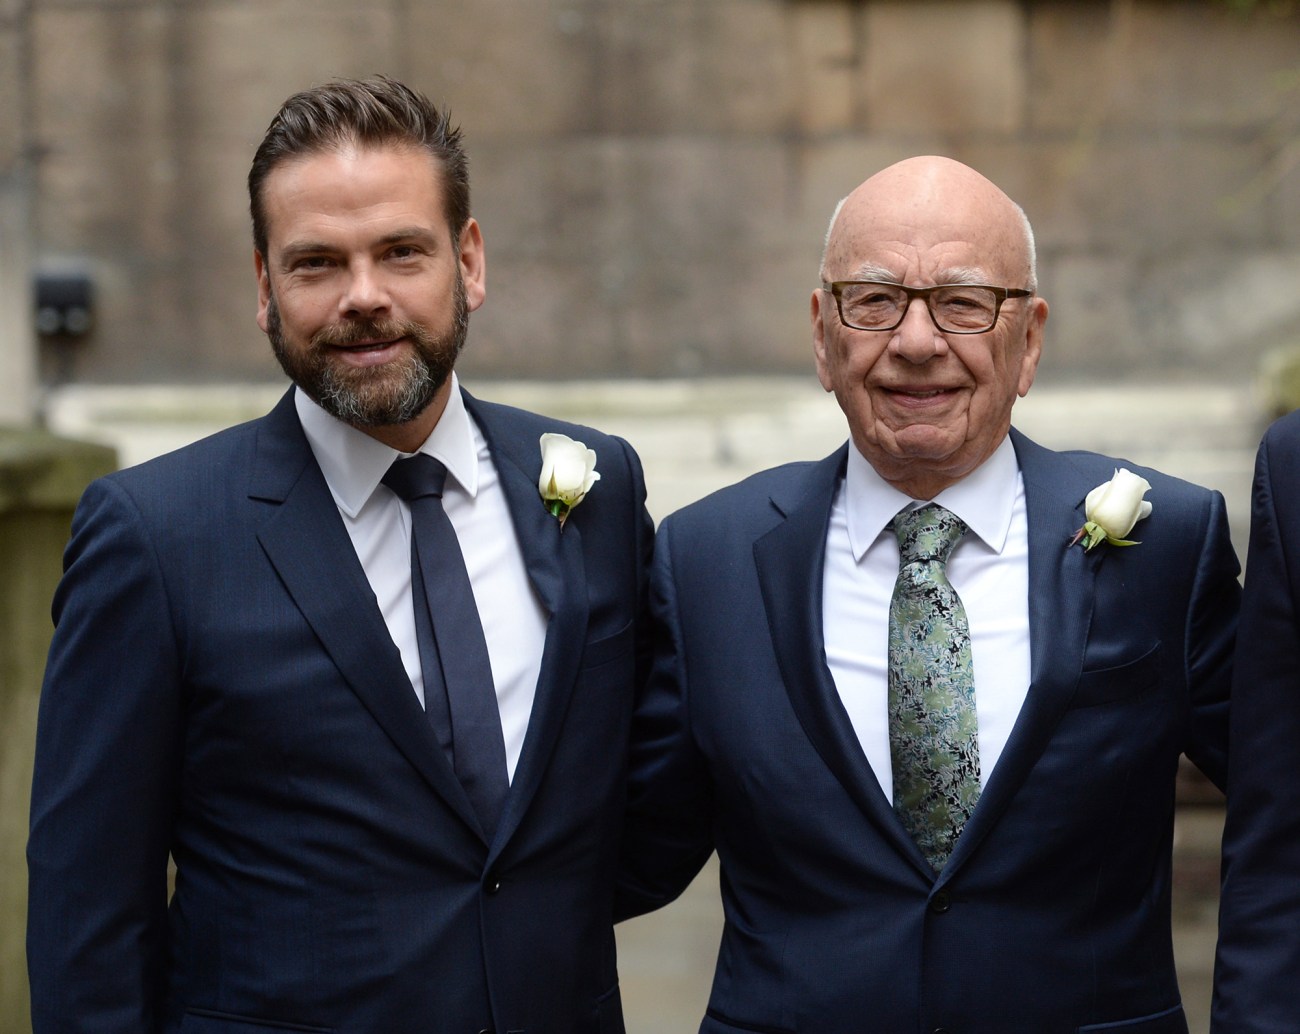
pixel 1171 1021
pixel 611 648
pixel 1116 682
pixel 203 1021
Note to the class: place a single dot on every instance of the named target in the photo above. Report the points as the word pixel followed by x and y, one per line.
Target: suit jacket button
pixel 939 904
pixel 486 1030
pixel 491 884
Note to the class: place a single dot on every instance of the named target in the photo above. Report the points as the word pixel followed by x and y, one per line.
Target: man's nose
pixel 366 294
pixel 917 339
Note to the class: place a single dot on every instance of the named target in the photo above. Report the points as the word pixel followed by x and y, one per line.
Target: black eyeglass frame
pixel 1000 295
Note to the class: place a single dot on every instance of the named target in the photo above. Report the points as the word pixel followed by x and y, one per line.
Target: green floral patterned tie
pixel 932 724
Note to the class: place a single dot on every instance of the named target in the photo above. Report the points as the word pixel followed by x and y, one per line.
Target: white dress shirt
pixel 514 620
pixel 989 568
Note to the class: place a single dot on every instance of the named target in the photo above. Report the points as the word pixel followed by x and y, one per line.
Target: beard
pixel 377 396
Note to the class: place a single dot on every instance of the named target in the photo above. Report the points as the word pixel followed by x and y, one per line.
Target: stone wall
pixel 654 176
pixel 17 339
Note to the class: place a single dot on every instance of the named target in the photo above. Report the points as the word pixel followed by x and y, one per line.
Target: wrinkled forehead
pixel 921 219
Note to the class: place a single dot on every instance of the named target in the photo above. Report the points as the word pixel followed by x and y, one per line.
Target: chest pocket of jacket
pixel 1118 682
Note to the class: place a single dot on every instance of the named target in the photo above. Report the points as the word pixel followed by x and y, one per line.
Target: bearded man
pixel 363 668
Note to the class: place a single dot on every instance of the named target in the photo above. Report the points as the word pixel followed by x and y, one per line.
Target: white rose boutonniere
pixel 568 472
pixel 1113 509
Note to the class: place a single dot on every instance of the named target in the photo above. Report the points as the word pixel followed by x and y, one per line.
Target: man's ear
pixel 263 288
pixel 473 264
pixel 1036 319
pixel 819 340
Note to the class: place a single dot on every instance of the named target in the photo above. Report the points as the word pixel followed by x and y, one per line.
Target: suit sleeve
pixel 104 787
pixel 1210 637
pixel 668 833
pixel 1257 972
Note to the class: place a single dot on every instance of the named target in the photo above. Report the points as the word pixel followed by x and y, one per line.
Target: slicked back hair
pixel 373 112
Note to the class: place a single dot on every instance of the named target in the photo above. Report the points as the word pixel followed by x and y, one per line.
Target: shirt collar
pixel 984 499
pixel 354 463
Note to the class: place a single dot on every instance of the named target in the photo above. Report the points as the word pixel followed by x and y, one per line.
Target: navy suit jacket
pixel 222 687
pixel 1052 915
pixel 1257 975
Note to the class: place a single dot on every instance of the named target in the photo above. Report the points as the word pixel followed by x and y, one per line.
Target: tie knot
pixel 927 535
pixel 416 476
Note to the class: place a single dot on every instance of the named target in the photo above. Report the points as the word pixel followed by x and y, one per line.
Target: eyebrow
pixel 405 234
pixel 956 275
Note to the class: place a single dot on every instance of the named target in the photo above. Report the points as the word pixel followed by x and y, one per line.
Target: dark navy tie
pixel 453 653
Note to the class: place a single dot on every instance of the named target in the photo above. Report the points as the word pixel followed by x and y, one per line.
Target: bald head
pixel 925 194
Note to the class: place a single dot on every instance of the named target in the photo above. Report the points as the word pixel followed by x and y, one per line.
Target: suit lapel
pixel 554 561
pixel 1062 583
pixel 309 547
pixel 790 560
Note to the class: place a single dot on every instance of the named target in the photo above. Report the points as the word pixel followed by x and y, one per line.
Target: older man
pixel 924 702
pixel 343 663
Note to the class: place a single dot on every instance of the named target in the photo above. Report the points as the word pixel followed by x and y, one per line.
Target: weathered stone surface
pixel 1252 306
pixel 1147 195
pixel 17 340
pixel 103 126
pixel 507 69
pixel 1159 66
pixel 236 62
pixel 1092 327
pixel 670 66
pixel 655 247
pixel 824 36
pixel 947 66
pixel 639 164
pixel 13 94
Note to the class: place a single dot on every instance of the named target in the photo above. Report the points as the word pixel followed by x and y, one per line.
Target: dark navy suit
pixel 222 687
pixel 1257 977
pixel 1053 914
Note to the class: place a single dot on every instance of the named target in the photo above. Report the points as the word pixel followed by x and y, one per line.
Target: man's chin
pixel 378 405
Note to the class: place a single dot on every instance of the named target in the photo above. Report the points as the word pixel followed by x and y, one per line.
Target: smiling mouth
pixel 928 394
pixel 368 346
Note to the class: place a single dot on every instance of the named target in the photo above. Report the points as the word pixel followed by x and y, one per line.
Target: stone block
pixel 543 320
pixel 719 195
pixel 13 90
pixel 682 66
pixel 1093 329
pixel 950 66
pixel 102 123
pixel 507 69
pixel 237 62
pixel 545 197
pixel 1157 65
pixel 18 386
pixel 646 234
pixel 825 65
pixel 1146 195
pixel 1252 307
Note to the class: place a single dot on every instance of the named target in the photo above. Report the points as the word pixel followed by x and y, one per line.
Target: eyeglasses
pixel 954 308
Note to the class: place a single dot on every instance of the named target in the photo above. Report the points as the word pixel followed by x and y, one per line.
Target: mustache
pixel 354 332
